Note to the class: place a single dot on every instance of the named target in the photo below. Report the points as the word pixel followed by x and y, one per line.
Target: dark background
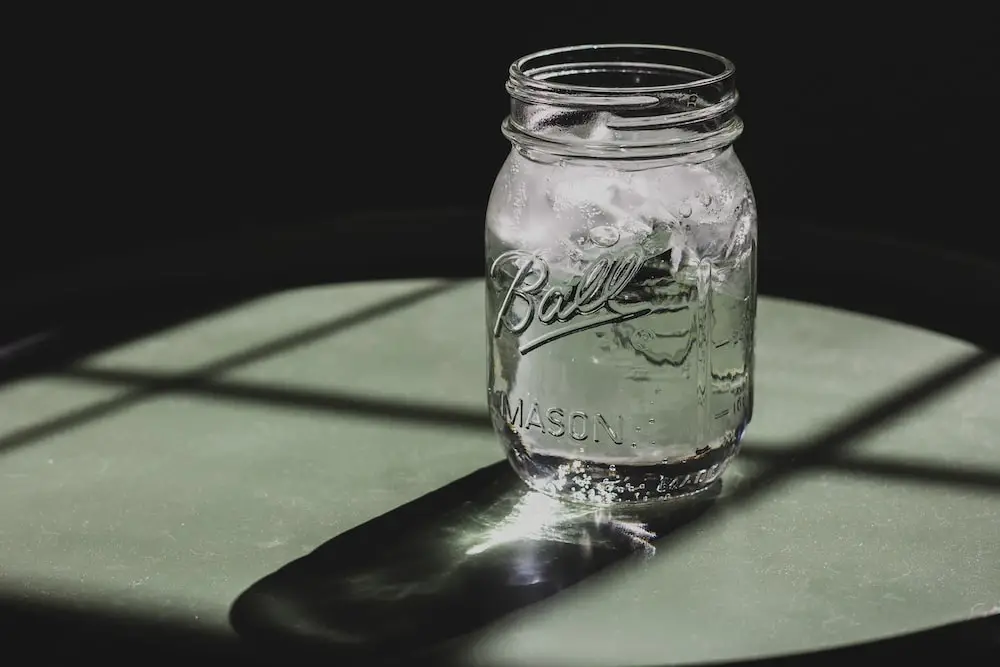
pixel 188 141
pixel 171 130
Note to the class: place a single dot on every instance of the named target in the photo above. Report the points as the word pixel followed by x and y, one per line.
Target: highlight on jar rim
pixel 652 100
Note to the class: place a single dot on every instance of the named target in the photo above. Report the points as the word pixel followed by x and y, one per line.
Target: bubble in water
pixel 638 374
pixel 641 338
pixel 685 210
pixel 605 236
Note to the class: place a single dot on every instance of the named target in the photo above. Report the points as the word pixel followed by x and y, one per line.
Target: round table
pixel 314 468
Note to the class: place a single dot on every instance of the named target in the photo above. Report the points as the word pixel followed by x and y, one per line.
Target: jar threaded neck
pixel 622 101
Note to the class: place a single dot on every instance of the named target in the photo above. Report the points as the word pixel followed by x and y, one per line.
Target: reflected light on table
pixel 539 517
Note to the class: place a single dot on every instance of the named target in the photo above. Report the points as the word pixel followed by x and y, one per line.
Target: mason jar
pixel 621 239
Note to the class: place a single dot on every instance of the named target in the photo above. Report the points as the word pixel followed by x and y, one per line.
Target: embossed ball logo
pixel 592 296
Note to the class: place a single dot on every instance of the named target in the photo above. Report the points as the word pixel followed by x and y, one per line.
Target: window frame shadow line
pixel 78 417
pixel 823 447
pixel 478 420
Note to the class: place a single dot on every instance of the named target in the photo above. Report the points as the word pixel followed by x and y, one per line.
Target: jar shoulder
pixel 529 192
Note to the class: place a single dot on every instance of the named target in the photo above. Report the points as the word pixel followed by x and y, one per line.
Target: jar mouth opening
pixel 621 73
pixel 622 101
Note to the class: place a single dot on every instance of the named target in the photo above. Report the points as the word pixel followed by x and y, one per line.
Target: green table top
pixel 168 476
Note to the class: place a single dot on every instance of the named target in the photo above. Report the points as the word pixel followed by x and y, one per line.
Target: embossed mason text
pixel 558 422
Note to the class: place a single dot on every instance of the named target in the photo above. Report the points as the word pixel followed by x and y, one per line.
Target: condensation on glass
pixel 621 274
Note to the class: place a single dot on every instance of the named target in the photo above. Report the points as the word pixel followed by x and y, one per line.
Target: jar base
pixel 602 483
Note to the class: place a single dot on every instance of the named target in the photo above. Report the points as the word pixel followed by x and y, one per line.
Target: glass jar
pixel 621 274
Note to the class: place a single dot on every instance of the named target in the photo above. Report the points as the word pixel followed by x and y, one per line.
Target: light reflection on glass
pixel 537 517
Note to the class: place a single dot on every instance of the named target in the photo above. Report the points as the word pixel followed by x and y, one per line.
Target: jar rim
pixel 538 78
pixel 622 102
